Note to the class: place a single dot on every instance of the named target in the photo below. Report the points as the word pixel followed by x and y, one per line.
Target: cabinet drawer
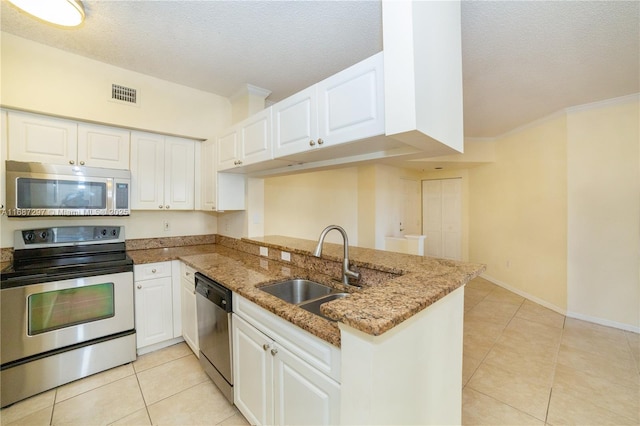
pixel 187 273
pixel 315 351
pixel 150 271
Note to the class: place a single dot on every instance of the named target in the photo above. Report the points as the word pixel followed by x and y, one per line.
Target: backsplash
pixel 163 242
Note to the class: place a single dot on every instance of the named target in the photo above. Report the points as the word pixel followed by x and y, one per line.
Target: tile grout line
pixel 144 400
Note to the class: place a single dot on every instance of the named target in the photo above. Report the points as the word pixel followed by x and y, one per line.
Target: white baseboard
pixel 575 315
pixel 525 294
pixel 605 322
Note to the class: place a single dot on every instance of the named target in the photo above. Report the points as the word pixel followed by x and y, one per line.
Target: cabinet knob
pixel 266 346
pixel 153 271
pixel 312 142
pixel 167 206
pixel 187 273
pixel 139 287
pixel 82 163
pixel 274 351
pixel 72 162
pixel 160 206
pixel 320 141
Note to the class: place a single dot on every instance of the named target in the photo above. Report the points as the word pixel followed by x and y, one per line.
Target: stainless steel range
pixel 66 308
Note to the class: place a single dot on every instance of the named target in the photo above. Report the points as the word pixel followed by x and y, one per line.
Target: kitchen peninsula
pixel 400 335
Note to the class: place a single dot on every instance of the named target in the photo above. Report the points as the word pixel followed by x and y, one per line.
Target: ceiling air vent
pixel 124 94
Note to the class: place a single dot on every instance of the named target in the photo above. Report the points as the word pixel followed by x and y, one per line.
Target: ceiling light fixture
pixel 68 13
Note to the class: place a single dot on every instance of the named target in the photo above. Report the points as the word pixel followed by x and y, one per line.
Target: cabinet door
pixel 154 311
pixel 189 316
pixel 229 149
pixel 302 395
pixel 179 174
pixel 147 171
pixel 295 123
pixel 256 138
pixel 42 139
pixel 100 146
pixel 209 174
pixel 351 103
pixel 252 373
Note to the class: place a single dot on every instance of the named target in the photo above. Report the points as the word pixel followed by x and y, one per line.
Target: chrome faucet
pixel 346 272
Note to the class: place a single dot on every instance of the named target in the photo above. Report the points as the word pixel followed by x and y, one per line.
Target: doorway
pixel 442 217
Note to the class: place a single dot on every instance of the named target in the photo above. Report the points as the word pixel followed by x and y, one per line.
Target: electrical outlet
pixel 166 225
pixel 264 251
pixel 286 256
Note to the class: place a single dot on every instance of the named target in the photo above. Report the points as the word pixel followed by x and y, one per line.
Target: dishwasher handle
pixel 213 292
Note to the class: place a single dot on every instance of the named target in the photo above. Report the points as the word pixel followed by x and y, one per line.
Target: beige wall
pixel 51 81
pixel 42 79
pixel 518 210
pixel 604 213
pixel 302 205
pixel 557 216
pixel 364 200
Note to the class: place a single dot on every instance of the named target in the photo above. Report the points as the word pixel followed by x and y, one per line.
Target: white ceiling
pixel 522 60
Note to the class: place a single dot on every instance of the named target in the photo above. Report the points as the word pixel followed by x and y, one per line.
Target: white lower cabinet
pixel 157 304
pixel 273 382
pixel 188 302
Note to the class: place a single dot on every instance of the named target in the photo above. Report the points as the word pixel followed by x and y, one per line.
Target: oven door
pixel 37 318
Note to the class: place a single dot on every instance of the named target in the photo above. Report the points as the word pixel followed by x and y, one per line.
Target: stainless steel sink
pixel 297 290
pixel 313 306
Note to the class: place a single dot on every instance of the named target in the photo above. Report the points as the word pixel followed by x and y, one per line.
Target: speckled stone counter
pixel 411 282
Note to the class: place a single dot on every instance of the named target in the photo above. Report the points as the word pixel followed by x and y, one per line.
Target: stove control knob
pixel 114 232
pixel 104 232
pixel 29 236
pixel 43 235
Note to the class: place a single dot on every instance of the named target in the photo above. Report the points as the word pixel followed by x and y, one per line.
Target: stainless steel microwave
pixel 36 189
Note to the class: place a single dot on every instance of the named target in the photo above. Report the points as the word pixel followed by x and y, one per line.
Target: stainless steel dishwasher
pixel 213 303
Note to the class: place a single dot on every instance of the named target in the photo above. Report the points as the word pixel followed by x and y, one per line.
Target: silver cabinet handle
pixel 266 346
pixel 82 163
pixel 274 351
pixel 72 162
pixel 312 142
pixel 320 141
pixel 153 271
pixel 139 287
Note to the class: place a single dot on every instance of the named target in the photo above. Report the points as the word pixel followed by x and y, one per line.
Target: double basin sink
pixel 306 294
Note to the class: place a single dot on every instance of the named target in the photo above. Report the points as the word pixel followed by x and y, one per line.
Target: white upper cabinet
pixel 246 143
pixel 208 180
pixel 50 140
pixel 42 139
pixel 351 103
pixel 220 191
pixel 345 107
pixel 295 123
pixel 101 146
pixel 162 172
pixel 423 74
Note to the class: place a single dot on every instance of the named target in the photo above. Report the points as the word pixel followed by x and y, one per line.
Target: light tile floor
pixel 166 387
pixel 523 364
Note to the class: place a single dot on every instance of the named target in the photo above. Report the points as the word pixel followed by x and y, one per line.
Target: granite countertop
pixel 412 282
